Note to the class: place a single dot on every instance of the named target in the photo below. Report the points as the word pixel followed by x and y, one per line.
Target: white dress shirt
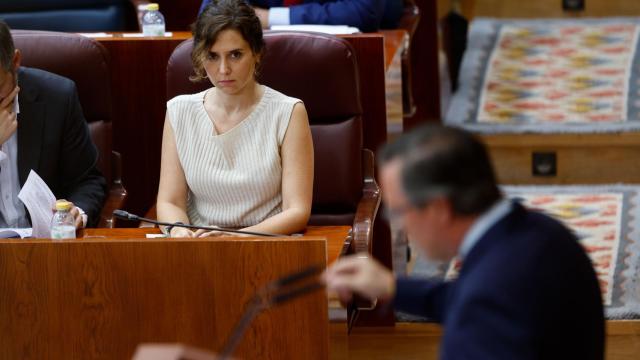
pixel 12 211
pixel 480 227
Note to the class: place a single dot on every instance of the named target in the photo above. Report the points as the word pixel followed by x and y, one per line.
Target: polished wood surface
pixel 551 8
pixel 581 158
pixel 395 41
pixel 425 60
pixel 138 68
pixel 99 298
pixel 335 236
pixel 179 15
pixel 421 341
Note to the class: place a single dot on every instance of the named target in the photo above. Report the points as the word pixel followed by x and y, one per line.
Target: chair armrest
pixel 367 208
pixel 361 236
pixel 117 193
pixel 115 200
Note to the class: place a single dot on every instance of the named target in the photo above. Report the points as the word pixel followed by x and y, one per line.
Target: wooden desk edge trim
pixel 105 238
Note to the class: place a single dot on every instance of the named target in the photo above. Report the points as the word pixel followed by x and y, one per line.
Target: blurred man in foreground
pixel 526 288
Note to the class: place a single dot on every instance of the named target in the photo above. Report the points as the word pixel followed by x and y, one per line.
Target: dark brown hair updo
pixel 222 15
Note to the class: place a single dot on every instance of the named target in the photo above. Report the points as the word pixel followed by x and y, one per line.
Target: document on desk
pixel 39 201
pixel 327 29
pixel 6 233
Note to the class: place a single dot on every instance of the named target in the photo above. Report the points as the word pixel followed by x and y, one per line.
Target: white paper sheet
pixel 95 35
pixel 139 35
pixel 153 236
pixel 327 29
pixel 15 232
pixel 39 201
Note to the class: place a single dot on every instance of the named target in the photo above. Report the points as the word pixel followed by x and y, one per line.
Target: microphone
pixel 121 214
pixel 276 292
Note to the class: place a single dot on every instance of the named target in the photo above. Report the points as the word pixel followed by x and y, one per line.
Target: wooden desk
pixel 335 236
pixel 98 298
pixel 138 67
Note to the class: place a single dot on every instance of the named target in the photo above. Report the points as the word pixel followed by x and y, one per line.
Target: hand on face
pixel 362 275
pixel 8 118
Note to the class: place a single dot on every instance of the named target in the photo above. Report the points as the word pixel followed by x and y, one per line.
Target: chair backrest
pixel 69 15
pixel 321 70
pixel 86 62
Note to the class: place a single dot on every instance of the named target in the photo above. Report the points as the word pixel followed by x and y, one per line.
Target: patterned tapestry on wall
pixel 605 219
pixel 549 76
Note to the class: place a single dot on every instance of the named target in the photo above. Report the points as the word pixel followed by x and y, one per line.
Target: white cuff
pixel 3 155
pixel 279 16
pixel 85 218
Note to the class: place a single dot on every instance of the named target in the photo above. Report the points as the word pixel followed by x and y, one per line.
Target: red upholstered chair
pixel 86 62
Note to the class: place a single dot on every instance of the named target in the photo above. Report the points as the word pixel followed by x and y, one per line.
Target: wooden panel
pixel 335 236
pixel 581 158
pixel 138 68
pixel 371 66
pixel 552 8
pixel 179 15
pixel 425 49
pixel 97 299
pixel 419 341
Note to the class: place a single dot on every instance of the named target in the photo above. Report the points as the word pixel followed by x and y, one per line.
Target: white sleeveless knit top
pixel 234 178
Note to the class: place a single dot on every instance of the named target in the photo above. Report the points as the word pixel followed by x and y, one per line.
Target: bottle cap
pixel 153 7
pixel 63 205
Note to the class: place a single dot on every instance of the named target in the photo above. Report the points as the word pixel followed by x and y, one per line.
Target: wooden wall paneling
pixel 138 68
pixel 179 15
pixel 425 47
pixel 371 66
pixel 581 158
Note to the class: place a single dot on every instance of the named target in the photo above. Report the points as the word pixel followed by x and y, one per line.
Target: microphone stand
pixel 276 292
pixel 121 214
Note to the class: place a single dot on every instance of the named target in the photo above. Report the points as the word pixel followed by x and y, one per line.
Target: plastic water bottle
pixel 153 21
pixel 63 225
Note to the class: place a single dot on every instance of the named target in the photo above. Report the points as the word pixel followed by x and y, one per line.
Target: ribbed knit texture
pixel 234 178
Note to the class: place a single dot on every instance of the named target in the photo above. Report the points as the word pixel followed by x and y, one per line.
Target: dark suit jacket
pixel 363 14
pixel 54 140
pixel 526 290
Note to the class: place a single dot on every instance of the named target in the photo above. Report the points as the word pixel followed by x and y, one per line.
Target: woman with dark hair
pixel 240 154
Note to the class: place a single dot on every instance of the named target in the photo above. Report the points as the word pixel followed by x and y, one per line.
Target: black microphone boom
pixel 121 214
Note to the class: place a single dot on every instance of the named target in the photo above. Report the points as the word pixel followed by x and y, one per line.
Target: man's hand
pixel 8 118
pixel 76 213
pixel 362 275
pixel 263 15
